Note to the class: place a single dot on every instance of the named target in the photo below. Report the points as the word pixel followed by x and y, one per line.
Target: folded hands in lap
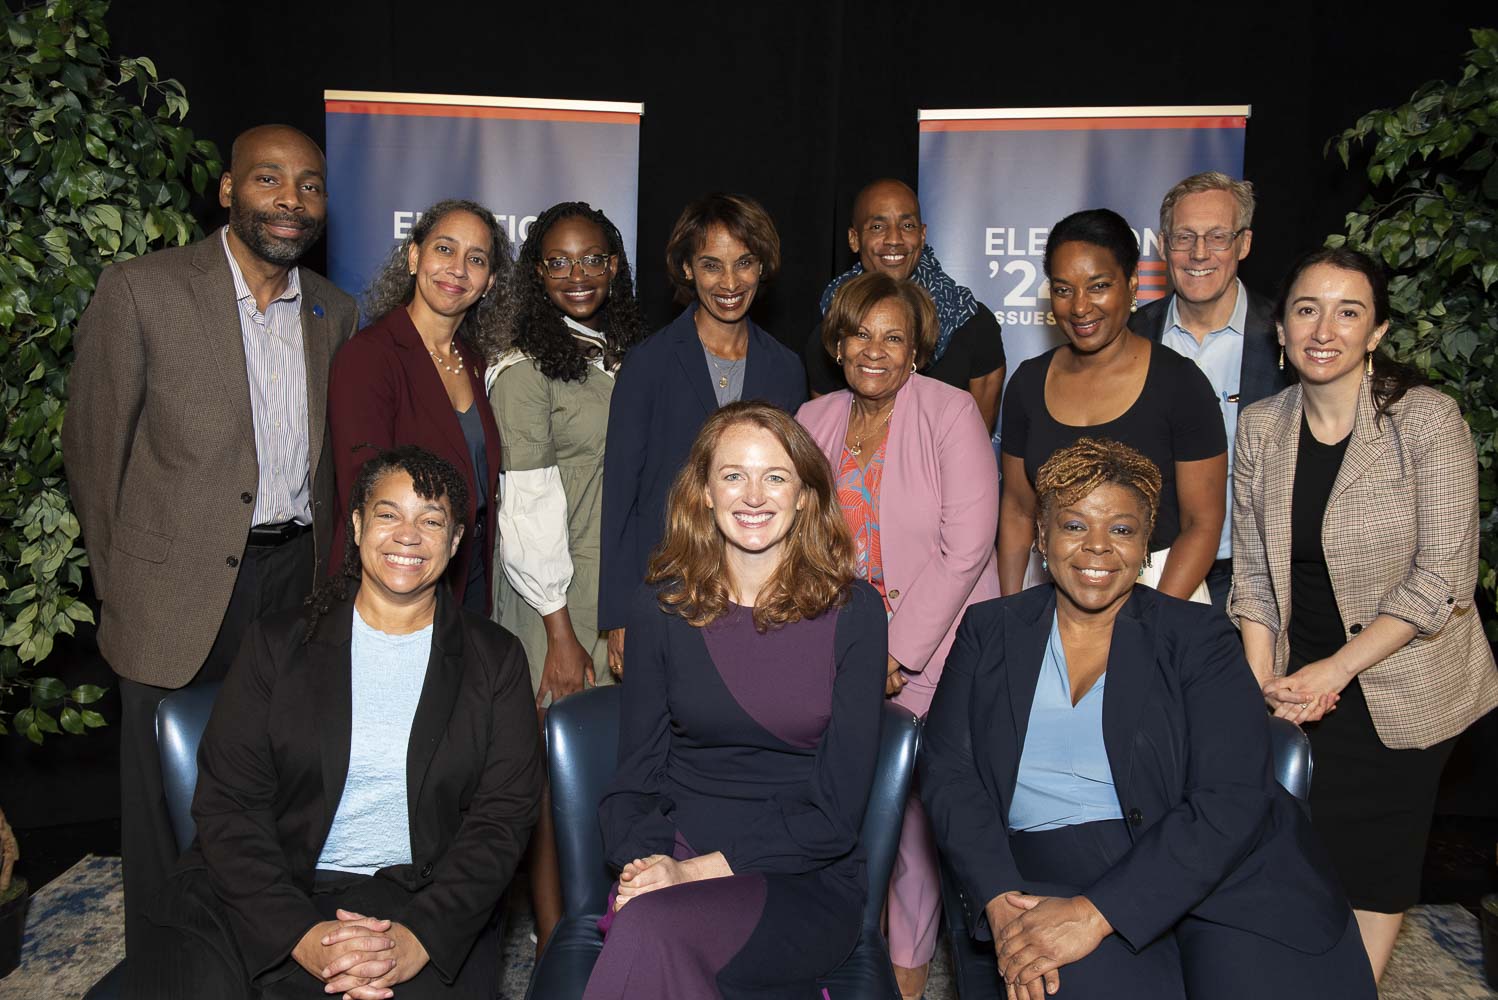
pixel 361 957
pixel 1034 936
pixel 644 875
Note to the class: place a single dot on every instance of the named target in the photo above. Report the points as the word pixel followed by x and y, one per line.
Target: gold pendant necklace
pixel 856 448
pixel 722 376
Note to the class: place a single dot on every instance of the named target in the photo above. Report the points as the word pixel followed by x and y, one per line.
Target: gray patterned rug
pixel 75 934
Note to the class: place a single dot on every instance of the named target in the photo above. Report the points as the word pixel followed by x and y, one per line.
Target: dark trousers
pixel 1220 581
pixel 1197 958
pixel 270 579
pixel 190 950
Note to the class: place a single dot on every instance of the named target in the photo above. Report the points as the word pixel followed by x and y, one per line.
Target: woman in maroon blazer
pixel 416 374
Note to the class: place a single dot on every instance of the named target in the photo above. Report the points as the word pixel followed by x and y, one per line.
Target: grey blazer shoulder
pixel 159 448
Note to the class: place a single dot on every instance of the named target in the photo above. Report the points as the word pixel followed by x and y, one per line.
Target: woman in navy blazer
pixel 1097 771
pixel 416 374
pixel 722 247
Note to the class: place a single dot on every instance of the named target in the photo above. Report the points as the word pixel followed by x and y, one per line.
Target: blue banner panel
pixel 991 187
pixel 389 159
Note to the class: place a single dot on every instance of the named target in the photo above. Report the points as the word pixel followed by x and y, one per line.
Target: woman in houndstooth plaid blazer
pixel 1355 543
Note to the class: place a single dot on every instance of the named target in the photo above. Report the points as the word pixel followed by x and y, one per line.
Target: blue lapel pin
pixel 317 310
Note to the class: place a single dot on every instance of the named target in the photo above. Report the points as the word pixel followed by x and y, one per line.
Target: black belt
pixel 1222 565
pixel 269 535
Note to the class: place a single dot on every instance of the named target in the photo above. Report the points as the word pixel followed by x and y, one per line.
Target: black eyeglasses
pixel 1217 239
pixel 592 264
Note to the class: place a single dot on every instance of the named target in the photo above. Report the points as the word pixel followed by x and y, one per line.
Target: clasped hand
pixel 361 957
pixel 644 875
pixel 1033 936
pixel 1308 694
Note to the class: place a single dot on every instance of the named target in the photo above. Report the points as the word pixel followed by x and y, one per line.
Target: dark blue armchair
pixel 582 735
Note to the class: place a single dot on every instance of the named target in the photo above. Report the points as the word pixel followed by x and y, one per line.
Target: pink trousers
pixel 915 882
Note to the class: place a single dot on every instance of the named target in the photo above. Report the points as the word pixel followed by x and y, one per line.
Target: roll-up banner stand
pixel 391 155
pixel 994 180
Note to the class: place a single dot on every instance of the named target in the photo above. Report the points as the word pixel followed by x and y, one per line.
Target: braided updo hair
pixel 1073 472
pixel 433 478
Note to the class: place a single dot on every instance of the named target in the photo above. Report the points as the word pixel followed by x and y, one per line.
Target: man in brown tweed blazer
pixel 195 448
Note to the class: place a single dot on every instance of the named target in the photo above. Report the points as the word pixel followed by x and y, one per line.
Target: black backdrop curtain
pixel 800 104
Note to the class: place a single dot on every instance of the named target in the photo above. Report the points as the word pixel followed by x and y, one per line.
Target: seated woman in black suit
pixel 1096 766
pixel 749 730
pixel 366 783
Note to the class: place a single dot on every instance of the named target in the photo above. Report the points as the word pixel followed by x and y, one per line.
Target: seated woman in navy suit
pixel 1097 770
pixel 366 783
pixel 749 730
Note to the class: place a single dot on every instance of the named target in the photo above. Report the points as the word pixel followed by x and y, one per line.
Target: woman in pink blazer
pixel 918 485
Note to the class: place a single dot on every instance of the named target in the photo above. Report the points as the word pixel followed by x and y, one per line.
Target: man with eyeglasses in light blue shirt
pixel 1206 229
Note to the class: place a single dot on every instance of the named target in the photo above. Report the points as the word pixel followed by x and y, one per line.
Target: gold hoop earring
pixel 839 357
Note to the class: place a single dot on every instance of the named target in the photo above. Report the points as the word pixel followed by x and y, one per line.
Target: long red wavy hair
pixel 817 565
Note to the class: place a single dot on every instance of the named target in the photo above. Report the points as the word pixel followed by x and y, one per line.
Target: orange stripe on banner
pixel 1076 124
pixel 470 111
pixel 1152 265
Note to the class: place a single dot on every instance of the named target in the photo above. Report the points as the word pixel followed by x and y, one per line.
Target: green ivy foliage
pixel 96 169
pixel 1433 219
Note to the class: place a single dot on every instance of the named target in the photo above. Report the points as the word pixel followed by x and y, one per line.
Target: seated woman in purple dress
pixel 750 729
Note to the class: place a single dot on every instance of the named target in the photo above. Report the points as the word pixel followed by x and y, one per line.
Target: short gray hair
pixel 1211 180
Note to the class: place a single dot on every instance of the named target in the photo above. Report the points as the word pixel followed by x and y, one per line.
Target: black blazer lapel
pixel 688 351
pixel 1130 676
pixel 759 370
pixel 1260 375
pixel 1025 639
pixel 438 694
pixel 218 309
pixel 1149 321
pixel 330 663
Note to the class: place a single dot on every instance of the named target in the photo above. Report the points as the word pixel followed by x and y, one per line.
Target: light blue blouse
pixel 1064 778
pixel 371 829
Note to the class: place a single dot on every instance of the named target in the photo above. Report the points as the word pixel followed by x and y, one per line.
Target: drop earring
pixel 1045 567
pixel 1282 358
pixel 1134 306
pixel 1368 367
pixel 839 357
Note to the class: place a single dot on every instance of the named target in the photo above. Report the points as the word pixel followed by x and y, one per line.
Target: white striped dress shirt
pixel 277 367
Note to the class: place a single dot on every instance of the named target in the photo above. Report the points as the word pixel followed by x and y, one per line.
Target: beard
pixel 249 226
